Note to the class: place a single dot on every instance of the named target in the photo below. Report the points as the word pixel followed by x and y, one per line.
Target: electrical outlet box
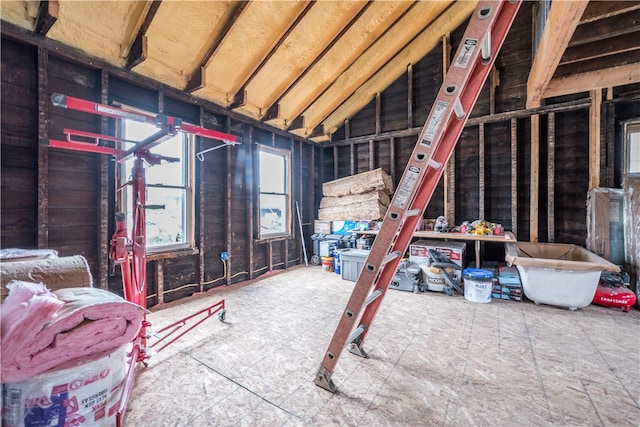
pixel 224 256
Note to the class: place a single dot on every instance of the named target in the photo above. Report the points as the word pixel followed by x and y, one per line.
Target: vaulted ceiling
pixel 306 66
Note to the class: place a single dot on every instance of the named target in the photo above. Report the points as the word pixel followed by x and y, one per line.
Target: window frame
pixel 123 175
pixel 286 155
pixel 629 127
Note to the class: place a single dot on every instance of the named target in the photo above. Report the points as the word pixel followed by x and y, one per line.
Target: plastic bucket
pixel 327 263
pixel 336 262
pixel 478 285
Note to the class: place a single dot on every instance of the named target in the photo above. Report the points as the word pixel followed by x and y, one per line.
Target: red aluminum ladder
pixel 483 38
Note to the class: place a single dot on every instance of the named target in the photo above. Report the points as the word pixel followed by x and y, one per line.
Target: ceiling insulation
pixel 305 66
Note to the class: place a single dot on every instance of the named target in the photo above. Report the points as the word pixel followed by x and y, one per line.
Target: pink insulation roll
pixel 43 330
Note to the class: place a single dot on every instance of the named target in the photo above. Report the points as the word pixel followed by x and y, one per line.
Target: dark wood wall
pixel 489 172
pixel 65 200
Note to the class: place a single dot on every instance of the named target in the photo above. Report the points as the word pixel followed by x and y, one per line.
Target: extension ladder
pixel 473 60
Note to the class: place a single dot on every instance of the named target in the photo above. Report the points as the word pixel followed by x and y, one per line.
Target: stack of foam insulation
pixel 364 196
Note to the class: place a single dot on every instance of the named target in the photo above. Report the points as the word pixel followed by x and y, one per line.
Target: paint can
pixel 327 263
pixel 478 285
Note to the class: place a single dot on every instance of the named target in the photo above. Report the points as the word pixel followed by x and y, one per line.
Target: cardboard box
pixel 455 251
pixel 323 227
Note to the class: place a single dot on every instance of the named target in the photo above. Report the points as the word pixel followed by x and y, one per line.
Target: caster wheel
pixel 315 260
pixel 449 292
pixel 222 315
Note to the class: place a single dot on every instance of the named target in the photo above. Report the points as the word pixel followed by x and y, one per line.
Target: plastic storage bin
pixel 351 263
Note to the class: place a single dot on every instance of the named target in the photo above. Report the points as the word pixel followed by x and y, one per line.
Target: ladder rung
pixel 435 164
pixel 356 333
pixel 486 49
pixel 412 212
pixel 374 296
pixel 457 108
pixel 393 255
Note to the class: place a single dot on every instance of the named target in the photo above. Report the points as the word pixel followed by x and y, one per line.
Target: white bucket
pixel 478 285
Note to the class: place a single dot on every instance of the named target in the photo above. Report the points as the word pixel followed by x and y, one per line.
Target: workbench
pixel 507 236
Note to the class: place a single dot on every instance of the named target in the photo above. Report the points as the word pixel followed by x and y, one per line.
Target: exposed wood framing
pixel 378 113
pixel 392 158
pixel 201 213
pixel 197 79
pixel 43 150
pixel 159 280
pixel 534 178
pixel 249 174
pixel 321 55
pixel 138 51
pixel 481 167
pixel 609 141
pixel 270 52
pixel 372 155
pixel 352 157
pixel 228 211
pixel 347 129
pixel 594 138
pixel 47 16
pixel 300 200
pixel 103 211
pixel 499 117
pixel 409 96
pixel 495 82
pixel 564 17
pixel 551 173
pixel 514 177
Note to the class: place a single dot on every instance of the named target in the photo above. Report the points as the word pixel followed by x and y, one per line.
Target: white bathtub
pixel 557 274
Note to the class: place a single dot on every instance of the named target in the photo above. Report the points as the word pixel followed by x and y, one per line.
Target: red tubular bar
pixel 211 310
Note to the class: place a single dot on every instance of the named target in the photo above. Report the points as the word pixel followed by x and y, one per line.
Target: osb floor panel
pixel 434 360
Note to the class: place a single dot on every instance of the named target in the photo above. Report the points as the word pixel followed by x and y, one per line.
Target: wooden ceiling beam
pixel 600 63
pixel 379 66
pixel 47 16
pixel 611 77
pixel 561 23
pixel 197 79
pixel 322 54
pixel 613 26
pixel 138 51
pixel 611 46
pixel 261 63
pixel 604 9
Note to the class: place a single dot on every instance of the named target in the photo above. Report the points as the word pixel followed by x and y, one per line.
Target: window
pixel 274 204
pixel 169 201
pixel 632 149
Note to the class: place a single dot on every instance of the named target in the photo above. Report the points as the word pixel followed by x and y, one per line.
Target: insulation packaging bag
pixel 43 330
pixel 84 395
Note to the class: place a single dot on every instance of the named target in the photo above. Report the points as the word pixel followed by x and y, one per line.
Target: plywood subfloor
pixel 434 360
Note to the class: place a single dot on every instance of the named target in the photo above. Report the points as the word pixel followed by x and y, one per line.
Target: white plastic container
pixel 478 285
pixel 558 274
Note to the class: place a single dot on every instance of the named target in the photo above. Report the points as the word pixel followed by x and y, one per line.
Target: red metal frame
pixel 131 253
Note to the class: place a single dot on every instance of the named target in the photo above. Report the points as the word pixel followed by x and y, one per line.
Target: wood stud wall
pixel 170 275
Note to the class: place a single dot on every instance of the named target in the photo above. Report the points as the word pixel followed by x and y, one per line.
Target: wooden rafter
pixel 47 16
pixel 270 52
pixel 304 72
pixel 138 51
pixel 197 79
pixel 562 21
pixel 617 76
